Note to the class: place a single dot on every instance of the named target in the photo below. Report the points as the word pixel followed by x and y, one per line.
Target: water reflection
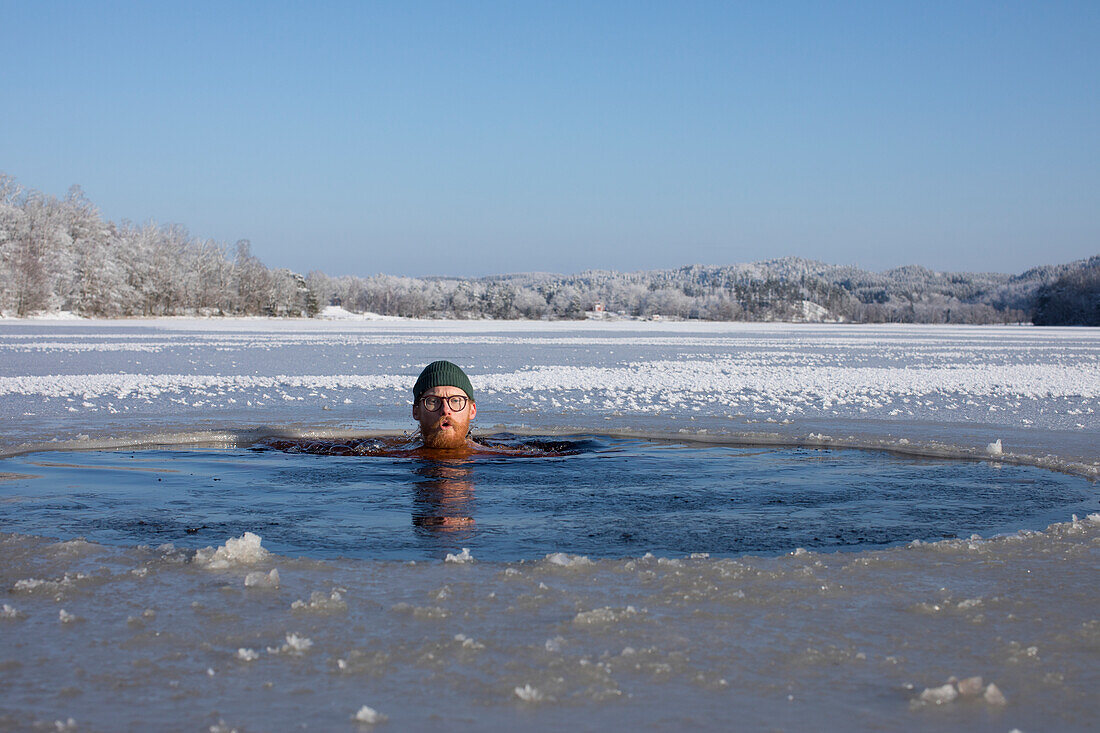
pixel 443 488
pixel 443 499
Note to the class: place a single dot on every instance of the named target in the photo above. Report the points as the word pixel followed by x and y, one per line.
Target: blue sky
pixel 460 138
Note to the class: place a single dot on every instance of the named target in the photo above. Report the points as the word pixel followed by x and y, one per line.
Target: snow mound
pixel 54 316
pixel 338 313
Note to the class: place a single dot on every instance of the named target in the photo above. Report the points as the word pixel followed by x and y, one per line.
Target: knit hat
pixel 442 374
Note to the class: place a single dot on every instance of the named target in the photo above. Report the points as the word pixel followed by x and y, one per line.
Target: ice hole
pixel 590 496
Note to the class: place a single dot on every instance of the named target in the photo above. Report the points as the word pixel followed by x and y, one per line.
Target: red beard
pixel 445 433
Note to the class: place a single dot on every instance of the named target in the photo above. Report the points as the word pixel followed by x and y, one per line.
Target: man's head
pixel 442 387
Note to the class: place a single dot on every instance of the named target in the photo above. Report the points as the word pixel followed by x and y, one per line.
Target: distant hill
pixel 60 255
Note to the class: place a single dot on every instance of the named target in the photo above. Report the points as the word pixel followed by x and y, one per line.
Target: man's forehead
pixel 445 391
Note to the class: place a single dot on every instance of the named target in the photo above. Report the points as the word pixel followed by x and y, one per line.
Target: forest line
pixel 61 255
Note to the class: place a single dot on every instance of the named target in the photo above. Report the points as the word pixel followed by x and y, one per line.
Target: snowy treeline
pixel 788 289
pixel 59 254
pixel 1071 300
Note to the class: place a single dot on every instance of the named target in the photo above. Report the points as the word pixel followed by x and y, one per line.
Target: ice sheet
pixel 885 640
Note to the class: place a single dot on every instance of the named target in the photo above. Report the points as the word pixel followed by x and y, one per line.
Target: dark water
pixel 610 498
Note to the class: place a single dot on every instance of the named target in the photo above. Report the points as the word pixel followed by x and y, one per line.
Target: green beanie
pixel 442 374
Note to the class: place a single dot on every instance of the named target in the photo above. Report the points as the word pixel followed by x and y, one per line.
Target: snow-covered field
pixel 126 638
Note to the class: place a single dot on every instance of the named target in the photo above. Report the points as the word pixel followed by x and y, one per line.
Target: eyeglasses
pixel 456 402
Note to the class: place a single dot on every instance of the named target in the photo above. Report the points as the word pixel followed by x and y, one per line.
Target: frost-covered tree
pixel 12 225
pixel 37 254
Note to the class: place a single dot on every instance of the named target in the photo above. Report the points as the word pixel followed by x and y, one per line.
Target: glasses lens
pixel 431 403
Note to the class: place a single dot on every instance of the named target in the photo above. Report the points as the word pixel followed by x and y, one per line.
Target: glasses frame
pixel 463 399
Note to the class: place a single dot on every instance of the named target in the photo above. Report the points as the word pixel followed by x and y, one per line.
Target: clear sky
pixel 472 138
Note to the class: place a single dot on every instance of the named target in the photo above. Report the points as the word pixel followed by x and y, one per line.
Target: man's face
pixel 444 428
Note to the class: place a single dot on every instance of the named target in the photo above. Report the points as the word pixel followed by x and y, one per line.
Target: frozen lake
pixel 1036 389
pixel 121 632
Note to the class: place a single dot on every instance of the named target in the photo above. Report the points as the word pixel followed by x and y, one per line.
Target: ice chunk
pixel 8 612
pixel 467 642
pixel 222 727
pixel 460 558
pixel 243 550
pixel 567 561
pixel 993 695
pixel 29 584
pixel 369 716
pixel 65 617
pixel 994 448
pixel 321 603
pixel 247 655
pixel 939 695
pixel 603 615
pixel 50 586
pixel 970 687
pixel 527 693
pixel 297 643
pixel 294 645
pixel 64 725
pixel 260 579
